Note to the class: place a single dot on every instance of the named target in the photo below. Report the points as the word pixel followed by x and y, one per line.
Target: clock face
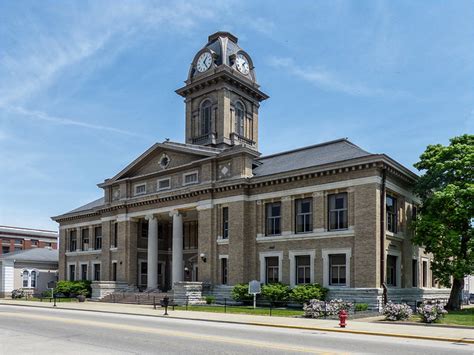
pixel 204 62
pixel 242 64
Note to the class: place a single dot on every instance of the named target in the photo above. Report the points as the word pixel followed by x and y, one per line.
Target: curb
pixel 272 325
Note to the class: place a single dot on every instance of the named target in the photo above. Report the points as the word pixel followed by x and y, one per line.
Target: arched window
pixel 205 118
pixel 239 119
pixel 25 278
pixel 33 279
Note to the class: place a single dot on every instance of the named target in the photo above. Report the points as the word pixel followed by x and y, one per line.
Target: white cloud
pixel 329 81
pixel 41 116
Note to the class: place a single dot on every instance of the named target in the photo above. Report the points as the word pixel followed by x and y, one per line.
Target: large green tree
pixel 445 225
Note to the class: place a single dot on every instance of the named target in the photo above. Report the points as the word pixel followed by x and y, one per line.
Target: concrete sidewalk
pixel 371 326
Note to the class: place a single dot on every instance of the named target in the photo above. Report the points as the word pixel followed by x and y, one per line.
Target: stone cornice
pixel 371 162
pixel 223 73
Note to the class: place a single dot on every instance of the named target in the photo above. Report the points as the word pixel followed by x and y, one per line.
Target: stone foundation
pixel 190 292
pixel 373 296
pixel 101 289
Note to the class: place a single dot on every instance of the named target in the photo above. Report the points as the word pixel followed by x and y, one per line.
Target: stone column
pixel 152 259
pixel 177 266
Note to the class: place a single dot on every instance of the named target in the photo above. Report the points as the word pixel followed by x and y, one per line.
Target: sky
pixel 87 86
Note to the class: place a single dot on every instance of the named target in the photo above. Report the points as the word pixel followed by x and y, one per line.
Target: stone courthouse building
pixel 214 210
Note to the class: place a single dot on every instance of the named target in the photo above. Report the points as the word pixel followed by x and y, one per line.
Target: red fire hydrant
pixel 342 318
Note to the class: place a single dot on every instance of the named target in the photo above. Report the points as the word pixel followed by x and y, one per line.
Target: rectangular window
pixel 98 238
pixel 114 271
pixel 272 269
pixel 391 206
pixel 337 269
pixel 5 249
pixel 144 229
pixel 85 239
pixel 273 218
pixel 304 215
pixel 190 178
pixel 72 272
pixel 19 241
pixel 140 189
pixel 34 242
pixel 337 211
pixel 114 242
pixel 190 235
pixel 303 269
pixel 391 270
pixel 224 271
pixel 414 273
pixel 96 272
pixel 164 184
pixel 84 272
pixel 425 274
pixel 72 240
pixel 225 222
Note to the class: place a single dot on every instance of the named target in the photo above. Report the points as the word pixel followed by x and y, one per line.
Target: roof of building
pixel 314 155
pixel 34 254
pixel 89 206
pixel 20 232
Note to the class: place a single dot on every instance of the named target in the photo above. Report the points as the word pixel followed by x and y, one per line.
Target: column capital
pixel 150 217
pixel 174 213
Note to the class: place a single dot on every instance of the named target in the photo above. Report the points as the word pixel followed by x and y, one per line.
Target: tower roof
pixel 224 50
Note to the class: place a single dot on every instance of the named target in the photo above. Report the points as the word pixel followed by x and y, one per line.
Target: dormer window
pixel 190 178
pixel 239 119
pixel 205 117
pixel 140 189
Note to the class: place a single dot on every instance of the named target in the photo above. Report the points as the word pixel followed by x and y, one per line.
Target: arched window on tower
pixel 205 118
pixel 239 119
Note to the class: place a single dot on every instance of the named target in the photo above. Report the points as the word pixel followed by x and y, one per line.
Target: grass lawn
pixel 283 312
pixel 464 317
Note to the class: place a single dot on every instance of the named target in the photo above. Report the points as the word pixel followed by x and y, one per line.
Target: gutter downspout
pixel 382 237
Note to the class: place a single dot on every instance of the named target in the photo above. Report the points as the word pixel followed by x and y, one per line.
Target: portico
pixel 168 251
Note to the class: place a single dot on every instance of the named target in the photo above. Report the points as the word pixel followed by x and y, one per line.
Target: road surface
pixel 25 330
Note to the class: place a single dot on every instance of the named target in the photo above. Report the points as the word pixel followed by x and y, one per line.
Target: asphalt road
pixel 25 330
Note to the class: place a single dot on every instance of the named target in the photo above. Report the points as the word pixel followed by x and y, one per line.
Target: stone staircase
pixel 222 293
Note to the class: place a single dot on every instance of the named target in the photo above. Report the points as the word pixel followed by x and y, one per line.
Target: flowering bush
pixel 431 312
pixel 316 308
pixel 394 311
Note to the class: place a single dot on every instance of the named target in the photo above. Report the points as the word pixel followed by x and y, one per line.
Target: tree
pixel 444 224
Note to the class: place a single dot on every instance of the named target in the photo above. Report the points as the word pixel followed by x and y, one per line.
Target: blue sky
pixel 85 87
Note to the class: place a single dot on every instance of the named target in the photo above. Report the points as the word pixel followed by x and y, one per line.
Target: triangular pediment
pixel 174 154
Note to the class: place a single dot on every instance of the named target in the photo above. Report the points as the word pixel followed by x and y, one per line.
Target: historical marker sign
pixel 52 284
pixel 254 287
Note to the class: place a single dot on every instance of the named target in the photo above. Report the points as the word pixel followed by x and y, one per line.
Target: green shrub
pixel 240 293
pixel 276 292
pixel 305 293
pixel 360 307
pixel 210 299
pixel 73 288
pixel 46 293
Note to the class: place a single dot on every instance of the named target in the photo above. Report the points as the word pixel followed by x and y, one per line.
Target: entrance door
pixel 161 275
pixel 143 274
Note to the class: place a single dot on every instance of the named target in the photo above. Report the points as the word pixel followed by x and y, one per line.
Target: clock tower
pixel 222 95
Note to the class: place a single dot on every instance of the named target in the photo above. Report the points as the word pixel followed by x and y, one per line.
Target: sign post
pixel 52 286
pixel 254 289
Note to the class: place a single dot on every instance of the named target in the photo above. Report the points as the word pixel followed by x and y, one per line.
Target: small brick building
pixel 18 238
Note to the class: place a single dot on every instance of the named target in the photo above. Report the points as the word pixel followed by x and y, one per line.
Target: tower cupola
pixel 222 95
